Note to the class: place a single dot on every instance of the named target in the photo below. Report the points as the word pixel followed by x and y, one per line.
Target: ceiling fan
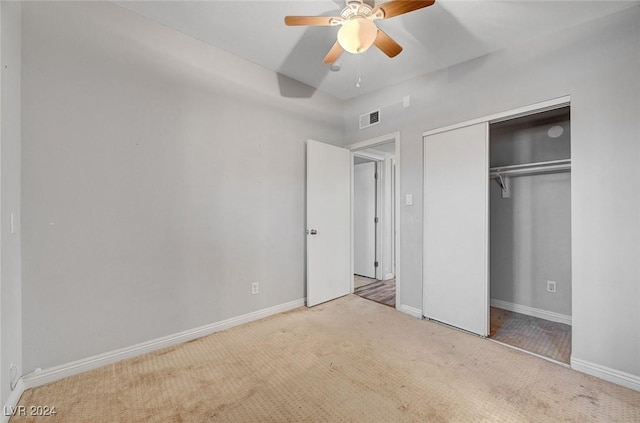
pixel 358 31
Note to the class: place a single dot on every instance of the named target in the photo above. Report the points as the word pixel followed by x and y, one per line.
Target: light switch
pixel 409 200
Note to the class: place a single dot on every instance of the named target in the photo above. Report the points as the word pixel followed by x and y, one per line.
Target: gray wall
pixel 597 64
pixel 531 242
pixel 161 177
pixel 10 289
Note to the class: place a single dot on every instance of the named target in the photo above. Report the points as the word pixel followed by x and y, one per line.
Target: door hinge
pixel 375 220
pixel 375 264
pixel 375 175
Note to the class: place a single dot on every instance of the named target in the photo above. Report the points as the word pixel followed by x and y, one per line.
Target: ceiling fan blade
pixel 333 54
pixel 387 44
pixel 400 7
pixel 311 20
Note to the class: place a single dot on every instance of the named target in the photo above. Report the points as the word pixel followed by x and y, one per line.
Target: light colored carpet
pixel 349 360
pixel 543 337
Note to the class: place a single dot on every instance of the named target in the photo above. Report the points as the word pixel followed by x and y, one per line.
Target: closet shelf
pixel 554 166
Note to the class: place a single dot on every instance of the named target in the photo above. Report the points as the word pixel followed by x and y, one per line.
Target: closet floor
pixel 539 336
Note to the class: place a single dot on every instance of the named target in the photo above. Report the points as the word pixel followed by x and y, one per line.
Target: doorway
pixel 530 233
pixel 374 220
pixel 329 219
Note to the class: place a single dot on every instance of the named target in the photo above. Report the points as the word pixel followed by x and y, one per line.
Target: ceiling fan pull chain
pixel 358 70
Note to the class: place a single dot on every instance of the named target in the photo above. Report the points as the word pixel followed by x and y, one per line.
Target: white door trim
pixel 395 136
pixel 543 106
pixel 385 211
pixel 368 155
pixel 382 139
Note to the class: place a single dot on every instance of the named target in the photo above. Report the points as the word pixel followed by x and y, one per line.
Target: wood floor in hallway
pixel 383 292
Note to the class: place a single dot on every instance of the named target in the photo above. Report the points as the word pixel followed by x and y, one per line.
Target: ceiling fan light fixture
pixel 357 35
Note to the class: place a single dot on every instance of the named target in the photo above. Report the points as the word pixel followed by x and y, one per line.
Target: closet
pixel 530 233
pixel 497 227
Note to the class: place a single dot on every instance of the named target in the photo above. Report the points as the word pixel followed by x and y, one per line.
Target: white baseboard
pixel 12 401
pixel 530 311
pixel 389 276
pixel 614 376
pixel 52 374
pixel 411 311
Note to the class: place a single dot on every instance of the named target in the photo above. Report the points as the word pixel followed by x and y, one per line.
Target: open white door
pixel 364 224
pixel 456 228
pixel 328 222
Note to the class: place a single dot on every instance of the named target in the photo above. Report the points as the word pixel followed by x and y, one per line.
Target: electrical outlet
pixel 254 288
pixel 551 286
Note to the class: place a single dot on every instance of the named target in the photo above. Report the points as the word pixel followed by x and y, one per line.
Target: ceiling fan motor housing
pixel 356 9
pixel 360 9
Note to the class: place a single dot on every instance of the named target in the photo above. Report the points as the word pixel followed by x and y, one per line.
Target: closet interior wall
pixel 530 231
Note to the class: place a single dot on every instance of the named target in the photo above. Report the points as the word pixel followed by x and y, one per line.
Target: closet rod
pixel 554 166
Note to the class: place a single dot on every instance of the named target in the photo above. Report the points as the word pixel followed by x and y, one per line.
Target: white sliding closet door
pixel 456 228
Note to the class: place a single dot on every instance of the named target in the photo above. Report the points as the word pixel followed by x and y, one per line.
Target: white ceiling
pixel 447 33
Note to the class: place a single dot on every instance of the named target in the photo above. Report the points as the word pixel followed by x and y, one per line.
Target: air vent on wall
pixel 369 119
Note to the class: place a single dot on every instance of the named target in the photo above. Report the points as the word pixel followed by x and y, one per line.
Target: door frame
pixel 543 106
pixel 372 142
pixel 383 175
